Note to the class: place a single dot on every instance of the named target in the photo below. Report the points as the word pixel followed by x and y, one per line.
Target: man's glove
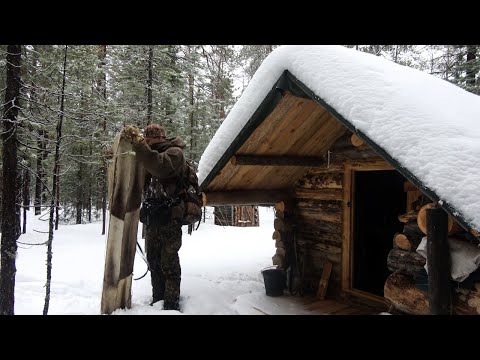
pixel 132 134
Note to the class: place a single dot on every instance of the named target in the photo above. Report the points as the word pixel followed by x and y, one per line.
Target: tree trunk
pixel 44 173
pixel 57 191
pixel 38 178
pixel 149 85
pixel 471 70
pixel 18 200
pixel 41 154
pixel 54 181
pixel 31 108
pixel 102 89
pixel 59 135
pixel 26 196
pixel 193 142
pixel 80 189
pixel 89 200
pixel 169 104
pixel 9 176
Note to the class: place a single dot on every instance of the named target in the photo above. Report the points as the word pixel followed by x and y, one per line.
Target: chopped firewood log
pixel 356 141
pixel 408 262
pixel 401 291
pixel 408 217
pixel 407 240
pixel 453 227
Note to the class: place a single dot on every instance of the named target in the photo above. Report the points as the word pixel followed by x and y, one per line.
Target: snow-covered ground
pixel 221 271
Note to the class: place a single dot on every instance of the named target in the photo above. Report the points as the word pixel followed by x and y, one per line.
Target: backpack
pixel 192 196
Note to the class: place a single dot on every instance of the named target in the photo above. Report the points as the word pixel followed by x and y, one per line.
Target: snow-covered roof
pixel 429 126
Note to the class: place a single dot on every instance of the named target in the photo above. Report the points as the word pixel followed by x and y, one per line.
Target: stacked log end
pixel 415 221
pixel 401 292
pixel 282 226
pixel 407 265
pixel 407 262
pixel 409 238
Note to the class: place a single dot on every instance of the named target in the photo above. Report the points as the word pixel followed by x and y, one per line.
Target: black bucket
pixel 274 280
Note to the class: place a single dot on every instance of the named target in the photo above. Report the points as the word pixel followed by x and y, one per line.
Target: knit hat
pixel 154 131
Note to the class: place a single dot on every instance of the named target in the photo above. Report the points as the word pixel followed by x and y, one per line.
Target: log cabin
pixel 354 152
pixel 239 215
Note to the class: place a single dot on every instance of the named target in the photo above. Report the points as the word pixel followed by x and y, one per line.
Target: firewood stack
pixel 402 287
pixel 282 225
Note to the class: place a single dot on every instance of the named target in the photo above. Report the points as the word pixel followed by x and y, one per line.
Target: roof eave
pixel 289 82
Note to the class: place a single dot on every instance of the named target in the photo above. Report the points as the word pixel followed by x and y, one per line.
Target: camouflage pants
pixel 162 245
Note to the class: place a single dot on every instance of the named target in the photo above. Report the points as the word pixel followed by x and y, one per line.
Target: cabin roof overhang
pixel 256 139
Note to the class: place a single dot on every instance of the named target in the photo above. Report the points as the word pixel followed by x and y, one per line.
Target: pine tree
pixel 250 57
pixel 9 187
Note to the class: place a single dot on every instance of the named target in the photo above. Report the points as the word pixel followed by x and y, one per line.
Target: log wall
pixel 319 226
pixel 318 220
pixel 318 213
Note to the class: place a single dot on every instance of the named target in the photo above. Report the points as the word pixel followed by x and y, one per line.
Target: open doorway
pixel 378 198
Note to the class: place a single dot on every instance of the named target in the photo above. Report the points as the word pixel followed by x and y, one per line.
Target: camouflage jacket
pixel 164 164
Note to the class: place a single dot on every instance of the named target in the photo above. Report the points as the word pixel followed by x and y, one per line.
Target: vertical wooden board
pixel 125 186
pixel 323 285
pixel 412 196
pixel 347 182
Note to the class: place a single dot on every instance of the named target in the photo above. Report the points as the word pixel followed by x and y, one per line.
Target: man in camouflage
pixel 164 163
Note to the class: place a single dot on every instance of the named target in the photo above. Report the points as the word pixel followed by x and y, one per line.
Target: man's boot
pixel 158 287
pixel 171 305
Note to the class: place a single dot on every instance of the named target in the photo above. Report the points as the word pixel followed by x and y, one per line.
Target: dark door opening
pixel 378 200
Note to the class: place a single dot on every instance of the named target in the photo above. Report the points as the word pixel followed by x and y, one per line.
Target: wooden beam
pixel 438 262
pixel 323 194
pixel 264 160
pixel 245 197
pixel 346 231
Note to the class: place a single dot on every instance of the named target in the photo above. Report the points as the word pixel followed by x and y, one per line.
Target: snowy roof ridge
pixel 431 127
